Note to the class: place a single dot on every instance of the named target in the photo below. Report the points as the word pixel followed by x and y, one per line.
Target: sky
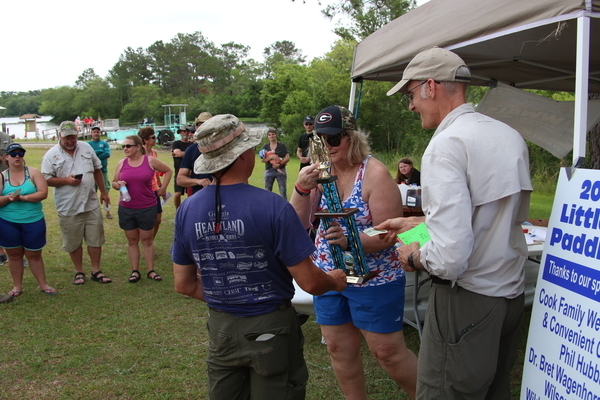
pixel 50 43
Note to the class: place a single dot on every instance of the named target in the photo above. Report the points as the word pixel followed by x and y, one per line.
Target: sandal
pixel 100 277
pixel 79 278
pixel 155 277
pixel 49 291
pixel 135 276
pixel 14 293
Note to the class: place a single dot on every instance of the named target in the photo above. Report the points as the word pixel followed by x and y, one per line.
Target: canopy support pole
pixel 352 101
pixel 581 88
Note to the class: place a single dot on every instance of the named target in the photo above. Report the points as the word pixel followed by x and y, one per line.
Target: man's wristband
pixel 411 262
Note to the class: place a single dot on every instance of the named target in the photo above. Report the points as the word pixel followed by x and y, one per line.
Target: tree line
pixel 279 91
pixel 189 69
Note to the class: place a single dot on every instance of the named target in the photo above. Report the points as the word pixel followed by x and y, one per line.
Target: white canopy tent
pixel 528 44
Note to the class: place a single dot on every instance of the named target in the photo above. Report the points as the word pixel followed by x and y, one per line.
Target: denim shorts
pixel 31 236
pixel 378 309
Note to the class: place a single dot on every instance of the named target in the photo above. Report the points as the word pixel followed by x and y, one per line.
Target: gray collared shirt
pixel 475 192
pixel 73 200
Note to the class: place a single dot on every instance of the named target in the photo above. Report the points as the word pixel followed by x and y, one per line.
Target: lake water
pixel 16 126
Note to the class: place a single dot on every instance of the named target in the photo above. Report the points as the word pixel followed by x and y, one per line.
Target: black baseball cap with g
pixel 333 120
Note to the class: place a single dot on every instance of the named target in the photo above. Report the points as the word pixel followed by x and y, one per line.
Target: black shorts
pixel 177 188
pixel 137 218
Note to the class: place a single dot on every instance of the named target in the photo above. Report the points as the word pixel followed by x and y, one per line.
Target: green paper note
pixel 417 234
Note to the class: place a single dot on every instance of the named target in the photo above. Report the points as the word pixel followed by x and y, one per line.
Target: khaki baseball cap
pixel 435 63
pixel 202 117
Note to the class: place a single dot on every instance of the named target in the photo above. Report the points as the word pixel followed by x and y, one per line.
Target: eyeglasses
pixel 152 137
pixel 14 154
pixel 408 96
pixel 127 146
pixel 334 140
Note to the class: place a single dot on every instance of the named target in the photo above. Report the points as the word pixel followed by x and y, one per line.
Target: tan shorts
pixel 86 226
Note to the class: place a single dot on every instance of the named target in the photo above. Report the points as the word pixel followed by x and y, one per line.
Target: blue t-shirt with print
pixel 189 158
pixel 244 267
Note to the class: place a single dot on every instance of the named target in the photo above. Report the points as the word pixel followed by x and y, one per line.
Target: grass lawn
pixel 134 341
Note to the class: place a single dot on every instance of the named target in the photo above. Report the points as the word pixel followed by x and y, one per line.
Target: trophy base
pixel 359 280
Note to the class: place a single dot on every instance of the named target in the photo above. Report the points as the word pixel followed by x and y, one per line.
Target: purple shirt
pixel 139 184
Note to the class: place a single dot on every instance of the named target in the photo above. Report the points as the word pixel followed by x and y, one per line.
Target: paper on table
pixel 417 234
pixel 535 236
pixel 539 235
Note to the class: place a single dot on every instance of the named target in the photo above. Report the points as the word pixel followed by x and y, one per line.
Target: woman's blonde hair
pixel 359 147
pixel 138 141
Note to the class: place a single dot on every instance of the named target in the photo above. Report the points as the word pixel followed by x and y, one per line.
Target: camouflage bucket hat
pixel 221 140
pixel 333 120
pixel 67 128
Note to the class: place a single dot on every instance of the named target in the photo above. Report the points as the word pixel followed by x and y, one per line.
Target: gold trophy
pixel 352 261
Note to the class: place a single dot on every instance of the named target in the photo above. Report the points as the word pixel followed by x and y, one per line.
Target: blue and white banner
pixel 562 357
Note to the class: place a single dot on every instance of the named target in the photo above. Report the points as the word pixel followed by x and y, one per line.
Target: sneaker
pixel 108 216
pixel 3 258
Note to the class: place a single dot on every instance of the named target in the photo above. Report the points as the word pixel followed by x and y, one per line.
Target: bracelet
pixel 303 194
pixel 301 191
pixel 411 262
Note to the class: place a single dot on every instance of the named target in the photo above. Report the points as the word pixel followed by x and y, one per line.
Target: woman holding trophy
pixel 342 168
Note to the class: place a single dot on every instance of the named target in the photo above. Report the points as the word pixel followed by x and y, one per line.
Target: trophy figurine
pixel 352 261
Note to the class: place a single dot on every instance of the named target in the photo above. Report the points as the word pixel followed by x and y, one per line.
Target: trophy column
pixel 352 261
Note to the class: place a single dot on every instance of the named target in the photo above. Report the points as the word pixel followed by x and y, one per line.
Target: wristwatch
pixel 411 262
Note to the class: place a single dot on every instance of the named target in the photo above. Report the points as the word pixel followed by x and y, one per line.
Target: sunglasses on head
pixel 17 153
pixel 127 146
pixel 334 140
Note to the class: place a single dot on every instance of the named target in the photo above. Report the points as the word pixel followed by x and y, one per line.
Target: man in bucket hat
pixel 246 244
pixel 473 210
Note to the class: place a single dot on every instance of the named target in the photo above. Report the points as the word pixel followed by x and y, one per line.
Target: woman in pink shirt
pixel 137 216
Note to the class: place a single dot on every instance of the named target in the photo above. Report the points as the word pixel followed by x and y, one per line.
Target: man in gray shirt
pixel 473 211
pixel 72 168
